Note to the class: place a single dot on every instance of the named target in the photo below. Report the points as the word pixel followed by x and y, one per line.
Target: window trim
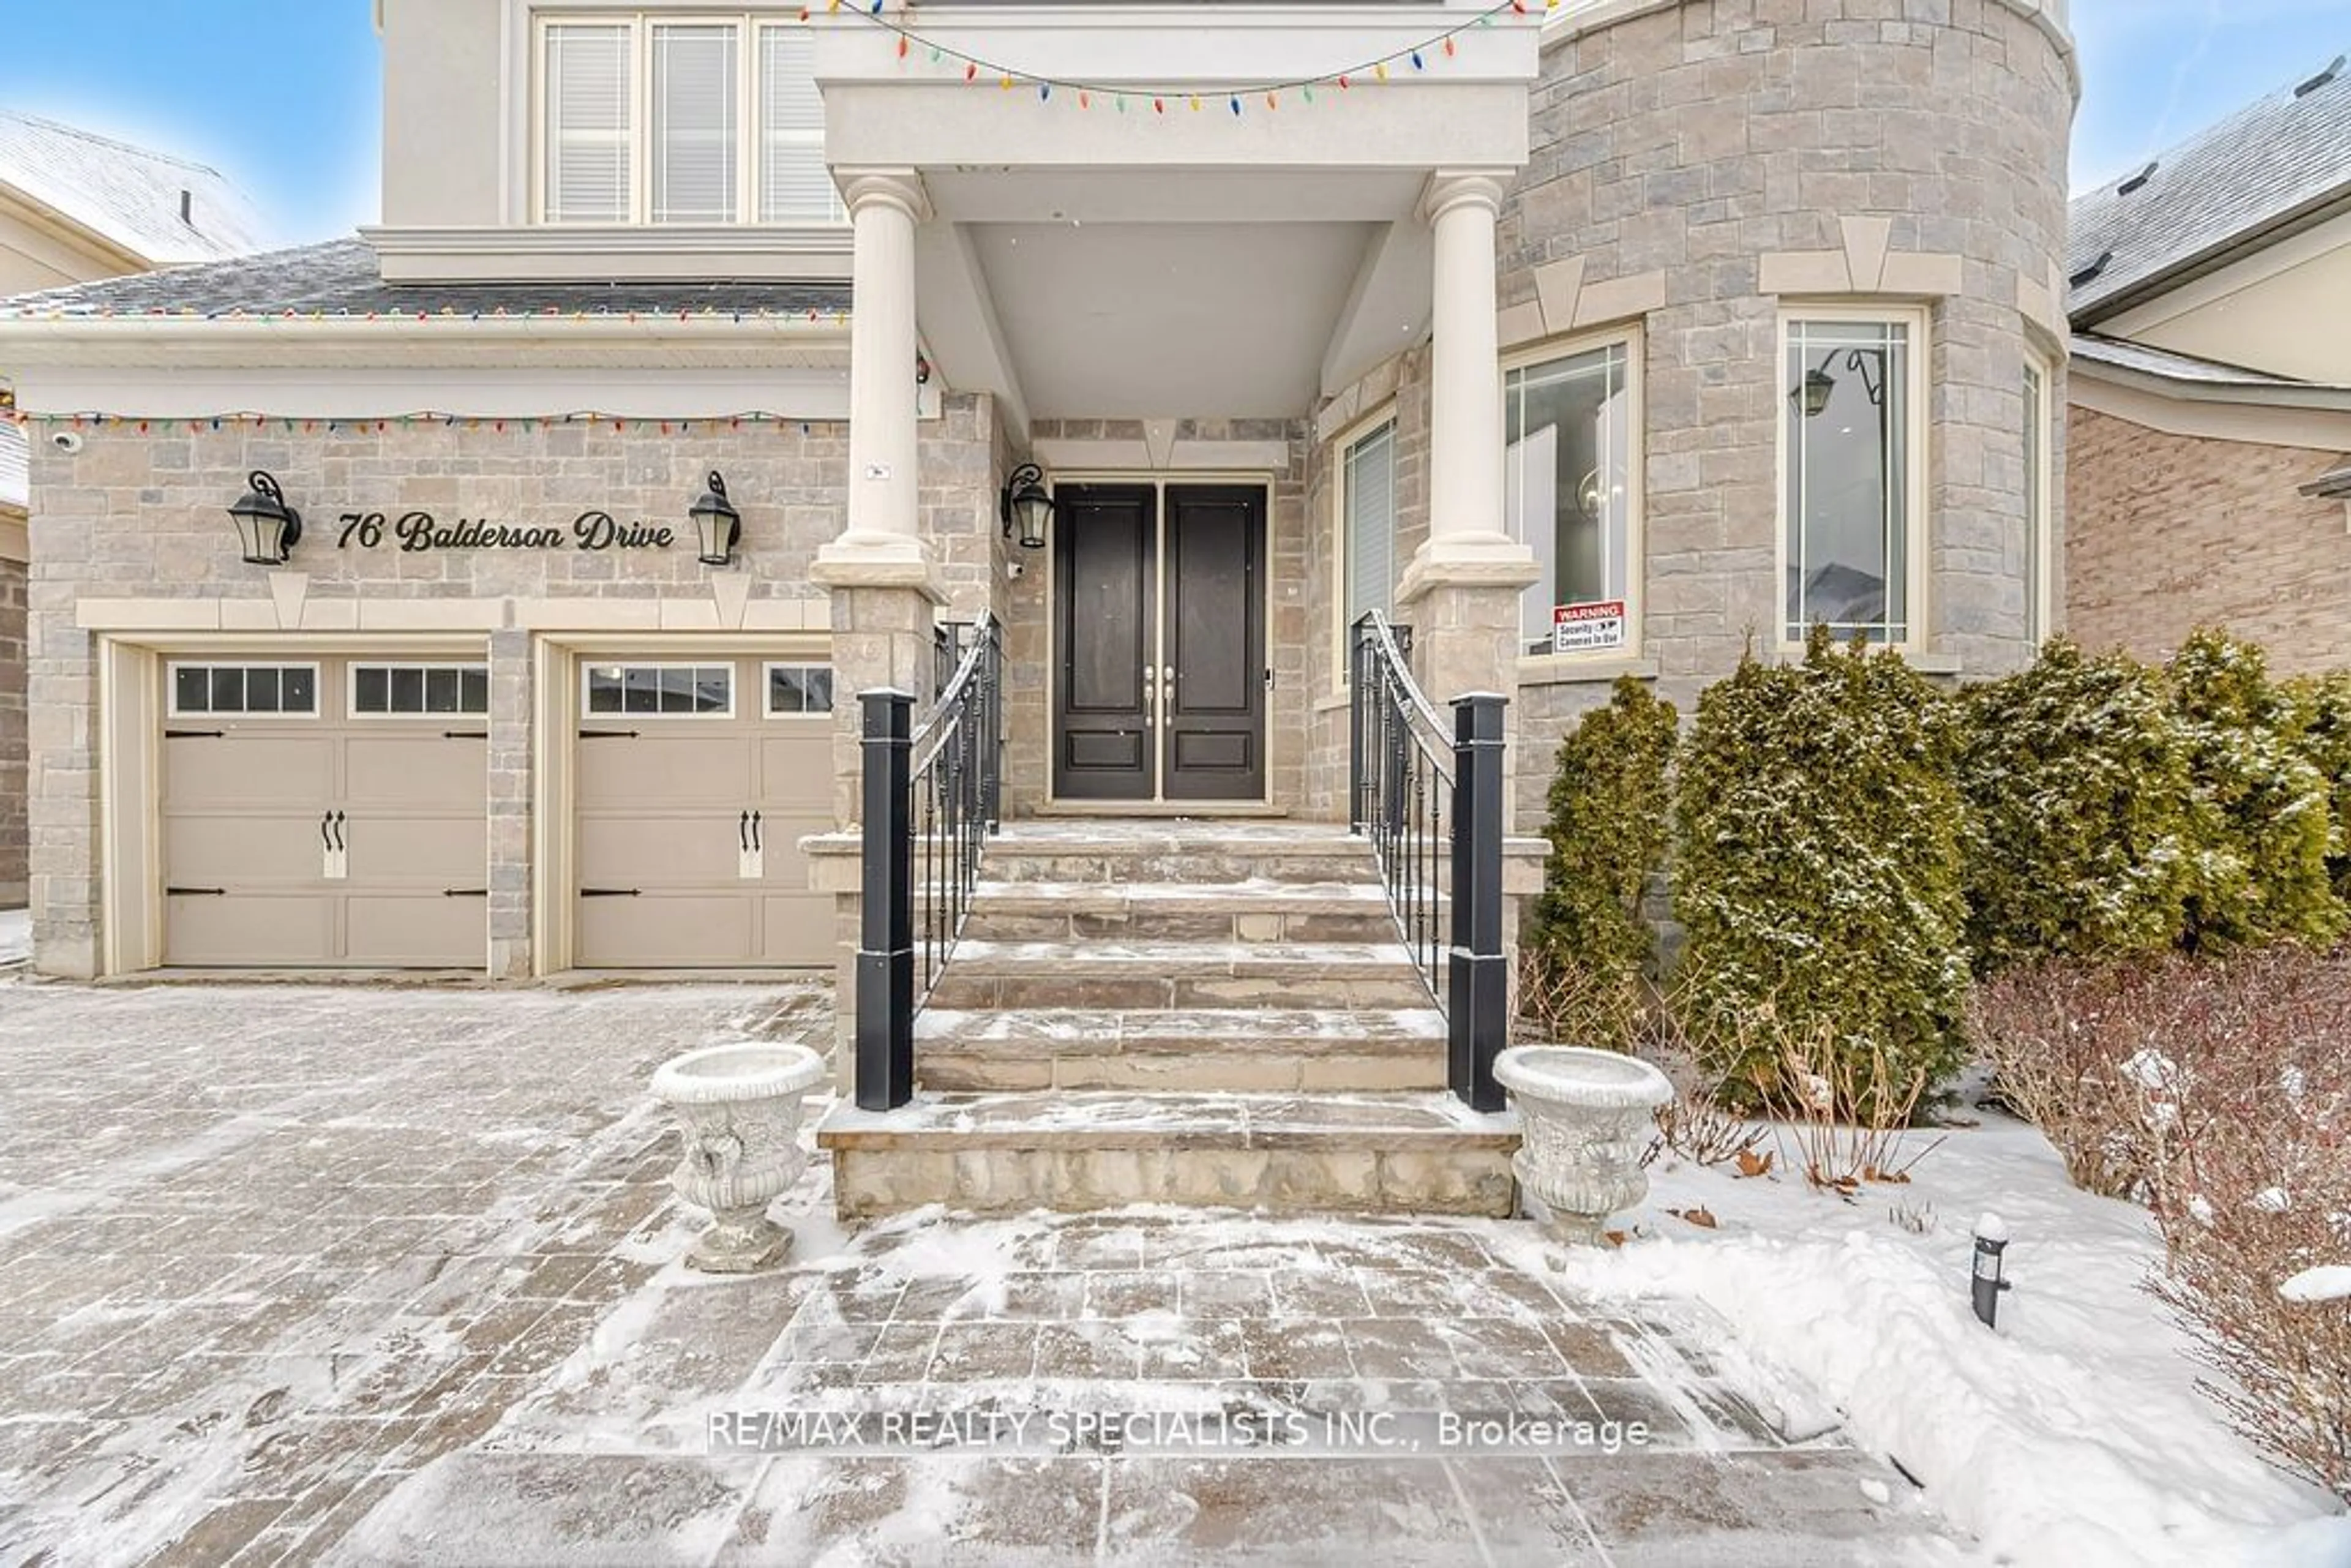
pixel 1633 337
pixel 2040 542
pixel 1341 633
pixel 588 667
pixel 767 668
pixel 171 668
pixel 1919 320
pixel 351 668
pixel 750 120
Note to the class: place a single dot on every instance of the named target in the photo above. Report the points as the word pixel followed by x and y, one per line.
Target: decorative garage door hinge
pixel 196 892
pixel 607 735
pixel 611 893
pixel 195 734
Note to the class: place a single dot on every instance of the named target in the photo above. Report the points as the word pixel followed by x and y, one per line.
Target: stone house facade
pixel 1615 340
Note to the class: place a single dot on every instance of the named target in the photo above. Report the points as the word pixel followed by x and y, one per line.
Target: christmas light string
pixel 382 423
pixel 975 67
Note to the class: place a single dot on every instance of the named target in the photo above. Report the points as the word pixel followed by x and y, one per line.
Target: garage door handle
pixel 611 893
pixel 339 845
pixel 194 734
pixel 197 891
pixel 758 840
pixel 743 831
pixel 607 735
pixel 464 893
pixel 326 830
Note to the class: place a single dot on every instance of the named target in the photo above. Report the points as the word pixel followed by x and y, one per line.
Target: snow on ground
pixel 16 936
pixel 2073 1435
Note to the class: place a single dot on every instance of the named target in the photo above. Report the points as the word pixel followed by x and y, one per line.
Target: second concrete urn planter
pixel 1586 1119
pixel 740 1106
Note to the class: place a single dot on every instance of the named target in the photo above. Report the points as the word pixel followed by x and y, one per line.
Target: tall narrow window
pixel 793 183
pixel 2037 611
pixel 1568 491
pixel 695 118
pixel 1848 474
pixel 1367 503
pixel 588 133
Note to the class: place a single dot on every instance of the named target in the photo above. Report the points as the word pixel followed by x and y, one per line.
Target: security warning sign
pixel 1597 623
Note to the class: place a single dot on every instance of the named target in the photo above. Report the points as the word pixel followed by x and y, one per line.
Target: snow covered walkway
pixel 299 1274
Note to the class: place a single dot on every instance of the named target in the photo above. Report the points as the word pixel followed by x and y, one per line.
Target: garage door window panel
pixel 661 691
pixel 420 691
pixel 797 689
pixel 235 690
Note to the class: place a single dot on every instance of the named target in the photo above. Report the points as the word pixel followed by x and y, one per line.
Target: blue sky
pixel 283 95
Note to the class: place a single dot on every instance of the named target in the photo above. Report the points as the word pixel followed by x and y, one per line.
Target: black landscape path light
pixel 1991 1240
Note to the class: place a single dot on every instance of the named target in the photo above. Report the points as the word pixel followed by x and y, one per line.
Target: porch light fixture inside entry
pixel 266 528
pixel 718 526
pixel 1820 386
pixel 1026 504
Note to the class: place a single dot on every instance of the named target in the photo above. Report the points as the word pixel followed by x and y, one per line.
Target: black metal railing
pixel 931 795
pixel 1430 798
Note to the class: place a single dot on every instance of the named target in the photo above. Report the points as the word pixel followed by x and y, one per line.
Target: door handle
pixel 326 830
pixel 339 845
pixel 743 832
pixel 758 841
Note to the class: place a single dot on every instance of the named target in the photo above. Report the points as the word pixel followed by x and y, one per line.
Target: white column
pixel 1464 421
pixel 882 517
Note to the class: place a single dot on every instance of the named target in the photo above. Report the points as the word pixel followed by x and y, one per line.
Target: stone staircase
pixel 1199 1013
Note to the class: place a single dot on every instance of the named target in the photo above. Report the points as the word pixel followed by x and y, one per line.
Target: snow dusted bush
pixel 2326 705
pixel 2263 871
pixel 2217 1093
pixel 1818 868
pixel 1607 828
pixel 2082 825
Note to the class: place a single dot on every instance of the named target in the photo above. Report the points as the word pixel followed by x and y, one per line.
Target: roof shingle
pixel 2273 160
pixel 341 277
pixel 131 196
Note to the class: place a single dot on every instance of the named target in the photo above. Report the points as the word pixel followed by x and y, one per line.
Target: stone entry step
pixel 1319 1154
pixel 1214 852
pixel 1157 975
pixel 1258 910
pixel 1307 1048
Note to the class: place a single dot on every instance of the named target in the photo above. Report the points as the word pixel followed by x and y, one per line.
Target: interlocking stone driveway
pixel 325 1273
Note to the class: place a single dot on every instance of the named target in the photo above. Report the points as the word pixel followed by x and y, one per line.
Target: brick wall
pixel 2172 532
pixel 15 833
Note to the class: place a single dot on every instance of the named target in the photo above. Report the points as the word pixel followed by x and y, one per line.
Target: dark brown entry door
pixel 1214 654
pixel 1159 642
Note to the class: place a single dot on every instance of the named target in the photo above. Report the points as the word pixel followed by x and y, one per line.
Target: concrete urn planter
pixel 1586 1116
pixel 739 1107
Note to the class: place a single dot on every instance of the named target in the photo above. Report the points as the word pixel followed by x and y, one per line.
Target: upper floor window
pixel 1851 466
pixel 1568 488
pixel 707 120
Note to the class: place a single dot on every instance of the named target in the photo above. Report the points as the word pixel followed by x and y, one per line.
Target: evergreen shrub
pixel 2326 704
pixel 2083 825
pixel 1818 865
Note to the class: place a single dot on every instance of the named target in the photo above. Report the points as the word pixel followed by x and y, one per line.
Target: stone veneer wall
pixel 1029 625
pixel 1688 144
pixel 2178 531
pixel 15 832
pixel 142 516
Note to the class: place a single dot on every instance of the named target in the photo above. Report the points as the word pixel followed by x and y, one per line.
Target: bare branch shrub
pixel 2218 1093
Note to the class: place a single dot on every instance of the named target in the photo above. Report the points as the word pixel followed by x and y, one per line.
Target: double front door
pixel 1160 666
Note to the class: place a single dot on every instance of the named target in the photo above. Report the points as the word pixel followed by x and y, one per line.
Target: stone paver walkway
pixel 320 1273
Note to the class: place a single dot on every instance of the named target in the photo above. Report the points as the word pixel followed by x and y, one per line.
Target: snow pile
pixel 2073 1436
pixel 16 936
pixel 2331 1283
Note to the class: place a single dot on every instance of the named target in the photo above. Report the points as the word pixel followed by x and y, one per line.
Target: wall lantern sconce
pixel 718 526
pixel 268 529
pixel 1026 504
pixel 1820 386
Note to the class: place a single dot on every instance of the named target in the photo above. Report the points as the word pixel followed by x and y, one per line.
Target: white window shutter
pixel 793 185
pixel 696 123
pixel 1371 524
pixel 588 129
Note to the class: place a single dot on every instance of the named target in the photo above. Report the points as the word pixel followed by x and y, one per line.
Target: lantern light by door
pixel 718 526
pixel 268 529
pixel 1025 506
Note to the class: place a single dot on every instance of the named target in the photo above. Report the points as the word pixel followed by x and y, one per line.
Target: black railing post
pixel 1477 1017
pixel 1359 683
pixel 885 948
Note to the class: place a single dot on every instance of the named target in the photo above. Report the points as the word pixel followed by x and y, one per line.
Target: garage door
pixel 695 783
pixel 326 813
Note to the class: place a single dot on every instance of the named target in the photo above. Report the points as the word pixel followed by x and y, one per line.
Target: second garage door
pixel 695 781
